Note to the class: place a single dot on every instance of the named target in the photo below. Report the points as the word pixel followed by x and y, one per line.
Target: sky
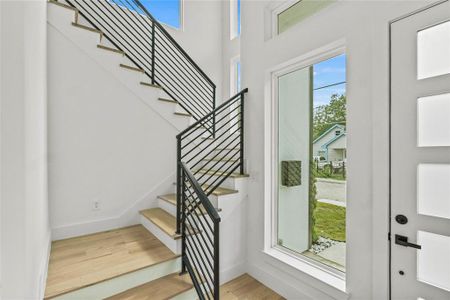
pixel 165 11
pixel 329 72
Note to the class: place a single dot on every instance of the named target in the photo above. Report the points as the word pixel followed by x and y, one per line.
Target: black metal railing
pixel 129 26
pixel 213 147
pixel 200 237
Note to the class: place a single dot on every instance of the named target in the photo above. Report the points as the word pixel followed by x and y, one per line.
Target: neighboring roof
pixel 324 146
pixel 328 130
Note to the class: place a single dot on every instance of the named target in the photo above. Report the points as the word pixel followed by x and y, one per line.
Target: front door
pixel 420 154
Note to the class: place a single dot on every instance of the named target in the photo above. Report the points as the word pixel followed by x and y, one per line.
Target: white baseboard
pixel 130 216
pixel 229 273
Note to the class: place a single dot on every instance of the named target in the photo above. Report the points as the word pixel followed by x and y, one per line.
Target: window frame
pixel 278 10
pixel 318 270
pixel 235 22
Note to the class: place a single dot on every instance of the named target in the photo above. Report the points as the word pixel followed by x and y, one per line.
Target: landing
pixel 83 261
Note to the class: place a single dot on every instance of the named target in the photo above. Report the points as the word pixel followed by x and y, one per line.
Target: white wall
pixel 25 230
pixel 106 143
pixel 363 25
pixel 201 37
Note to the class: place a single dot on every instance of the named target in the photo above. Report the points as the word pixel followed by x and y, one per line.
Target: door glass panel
pixel 312 160
pixel 433 260
pixel 433 190
pixel 433 120
pixel 433 51
pixel 294 106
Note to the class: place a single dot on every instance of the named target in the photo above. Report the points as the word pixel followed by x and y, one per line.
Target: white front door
pixel 420 154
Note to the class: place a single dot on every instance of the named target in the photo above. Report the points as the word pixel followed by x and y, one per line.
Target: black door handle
pixel 403 241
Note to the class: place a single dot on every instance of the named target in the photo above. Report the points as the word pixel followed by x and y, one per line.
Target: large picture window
pixel 311 162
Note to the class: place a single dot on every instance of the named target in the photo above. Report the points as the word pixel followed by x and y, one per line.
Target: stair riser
pixel 169 207
pixel 173 244
pixel 219 165
pixel 122 283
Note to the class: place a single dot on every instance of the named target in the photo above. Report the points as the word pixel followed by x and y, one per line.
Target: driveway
pixel 330 191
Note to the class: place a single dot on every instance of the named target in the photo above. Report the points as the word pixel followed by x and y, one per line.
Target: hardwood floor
pixel 83 261
pixel 163 288
pixel 246 287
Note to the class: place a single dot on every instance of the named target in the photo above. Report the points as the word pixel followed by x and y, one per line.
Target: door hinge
pixel 389 236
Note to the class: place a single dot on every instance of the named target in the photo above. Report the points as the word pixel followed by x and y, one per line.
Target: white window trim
pixel 278 9
pixel 233 75
pixel 315 269
pixel 234 20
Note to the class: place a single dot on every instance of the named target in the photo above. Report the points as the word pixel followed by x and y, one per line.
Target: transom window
pixel 292 12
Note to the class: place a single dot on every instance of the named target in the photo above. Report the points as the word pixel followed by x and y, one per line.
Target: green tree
pixel 326 116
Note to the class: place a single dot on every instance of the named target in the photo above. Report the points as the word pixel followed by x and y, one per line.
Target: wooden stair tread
pixel 171 198
pixel 83 261
pixel 220 191
pixel 165 287
pixel 182 114
pixel 163 220
pixel 110 49
pixel 132 68
pixel 224 159
pixel 87 28
pixel 167 100
pixel 220 173
pixel 150 84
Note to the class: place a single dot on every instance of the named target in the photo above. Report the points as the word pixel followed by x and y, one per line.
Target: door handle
pixel 403 241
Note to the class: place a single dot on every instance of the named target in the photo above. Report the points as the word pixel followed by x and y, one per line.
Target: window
pixel 310 160
pixel 235 18
pixel 165 11
pixel 293 12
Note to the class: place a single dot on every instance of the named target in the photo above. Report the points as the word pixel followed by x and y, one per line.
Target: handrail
pixel 167 34
pixel 199 233
pixel 212 212
pixel 131 28
pixel 209 115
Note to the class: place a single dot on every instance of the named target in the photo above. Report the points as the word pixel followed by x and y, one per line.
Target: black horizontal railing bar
pixel 180 60
pixel 192 261
pixel 194 277
pixel 105 34
pixel 139 45
pixel 168 62
pixel 184 93
pixel 169 37
pixel 197 245
pixel 211 113
pixel 221 179
pixel 201 195
pixel 197 263
pixel 200 136
pixel 206 129
pixel 207 175
pixel 207 171
pixel 211 151
pixel 204 228
pixel 184 88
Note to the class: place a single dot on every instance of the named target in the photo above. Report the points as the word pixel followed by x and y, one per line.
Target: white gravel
pixel 322 244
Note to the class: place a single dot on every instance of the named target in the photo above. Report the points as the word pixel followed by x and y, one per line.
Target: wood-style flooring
pixel 82 261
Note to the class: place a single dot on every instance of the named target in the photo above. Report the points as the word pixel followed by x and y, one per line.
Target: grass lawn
pixel 330 221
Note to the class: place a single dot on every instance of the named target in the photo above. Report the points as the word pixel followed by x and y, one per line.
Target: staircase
pixel 210 186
